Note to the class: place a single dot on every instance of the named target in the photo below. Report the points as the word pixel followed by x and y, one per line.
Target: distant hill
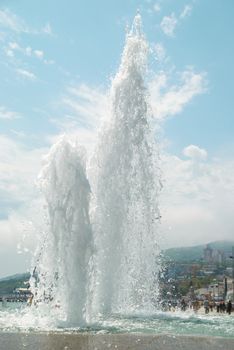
pixel 8 284
pixel 14 277
pixel 181 254
pixel 196 252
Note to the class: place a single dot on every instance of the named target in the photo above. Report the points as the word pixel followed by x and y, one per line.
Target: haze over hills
pixel 181 254
pixel 196 252
pixel 17 276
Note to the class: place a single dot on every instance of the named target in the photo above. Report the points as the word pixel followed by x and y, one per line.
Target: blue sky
pixel 82 43
pixel 56 63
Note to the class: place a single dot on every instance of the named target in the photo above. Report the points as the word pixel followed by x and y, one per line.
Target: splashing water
pixel 100 254
pixel 63 267
pixel 125 183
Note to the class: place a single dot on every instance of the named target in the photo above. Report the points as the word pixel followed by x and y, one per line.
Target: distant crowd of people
pixel 195 305
pixel 221 307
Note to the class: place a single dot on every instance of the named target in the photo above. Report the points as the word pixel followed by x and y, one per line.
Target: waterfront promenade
pixel 85 341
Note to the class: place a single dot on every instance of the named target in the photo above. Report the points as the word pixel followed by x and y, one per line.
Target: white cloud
pixel 89 105
pixel 11 48
pixel 195 152
pixel 7 114
pixel 26 74
pixel 9 53
pixel 19 237
pixel 39 54
pixel 9 21
pixel 197 202
pixel 83 136
pixel 11 232
pixel 14 46
pixel 168 24
pixel 169 100
pixel 12 22
pixel 47 29
pixel 18 169
pixel 160 52
pixel 27 51
pixel 12 228
pixel 49 61
pixel 186 11
pixel 83 110
pixel 157 7
pixel 18 133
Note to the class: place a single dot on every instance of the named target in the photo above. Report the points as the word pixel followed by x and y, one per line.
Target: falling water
pixel 63 265
pixel 125 183
pixel 100 257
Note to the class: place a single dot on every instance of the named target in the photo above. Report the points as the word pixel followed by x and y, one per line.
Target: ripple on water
pixel 16 319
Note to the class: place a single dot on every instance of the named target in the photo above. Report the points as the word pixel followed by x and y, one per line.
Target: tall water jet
pixel 124 177
pixel 62 269
pixel 102 258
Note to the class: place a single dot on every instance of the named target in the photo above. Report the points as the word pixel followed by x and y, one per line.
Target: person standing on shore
pixel 206 306
pixel 229 307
